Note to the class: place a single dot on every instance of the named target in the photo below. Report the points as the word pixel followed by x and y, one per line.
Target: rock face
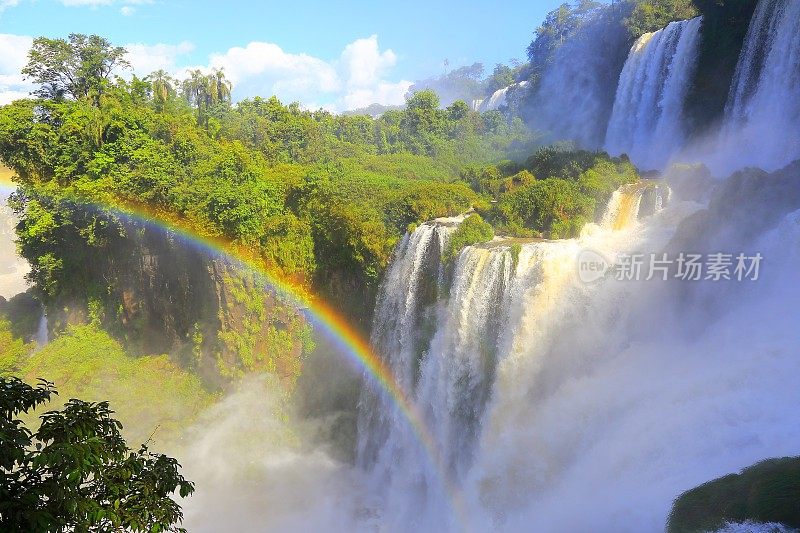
pixel 742 207
pixel 768 491
pixel 161 294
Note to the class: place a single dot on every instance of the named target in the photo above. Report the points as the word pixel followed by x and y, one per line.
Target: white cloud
pixel 358 77
pixel 5 4
pixel 265 68
pixel 355 79
pixel 145 59
pixel 13 56
pixel 127 11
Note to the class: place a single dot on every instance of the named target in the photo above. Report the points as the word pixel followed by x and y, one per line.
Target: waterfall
pixel 633 201
pixel 443 330
pixel 762 116
pixel 573 99
pixel 500 97
pixel 557 404
pixel 42 336
pixel 647 118
pixel 460 363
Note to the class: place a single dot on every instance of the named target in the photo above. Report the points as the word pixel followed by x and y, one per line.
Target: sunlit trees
pixel 76 473
pixel 207 93
pixel 79 67
pixel 163 87
pixel 558 26
pixel 652 15
pixel 502 76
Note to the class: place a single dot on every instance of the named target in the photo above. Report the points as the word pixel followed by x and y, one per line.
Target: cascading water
pixel 762 124
pixel 500 97
pixel 557 404
pixel 647 119
pixel 574 98
pixel 42 332
pixel 630 202
pixel 404 314
pixel 443 336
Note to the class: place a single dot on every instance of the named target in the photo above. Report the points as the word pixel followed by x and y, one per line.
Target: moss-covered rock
pixel 768 491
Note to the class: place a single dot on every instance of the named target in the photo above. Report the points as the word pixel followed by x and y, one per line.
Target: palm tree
pixel 219 87
pixel 163 87
pixel 205 92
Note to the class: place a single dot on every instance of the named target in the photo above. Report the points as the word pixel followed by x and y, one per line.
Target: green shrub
pixel 148 393
pixel 472 230
pixel 652 15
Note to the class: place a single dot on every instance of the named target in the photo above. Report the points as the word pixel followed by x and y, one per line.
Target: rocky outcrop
pixel 767 492
pixel 163 294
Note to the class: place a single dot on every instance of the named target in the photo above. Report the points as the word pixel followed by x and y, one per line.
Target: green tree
pixel 76 473
pixel 558 26
pixel 502 76
pixel 206 93
pixel 79 67
pixel 162 86
pixel 652 15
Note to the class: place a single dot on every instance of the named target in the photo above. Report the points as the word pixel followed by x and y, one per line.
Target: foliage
pixel 89 364
pixel 23 312
pixel 559 25
pixel 12 349
pixel 79 67
pixel 317 198
pixel 76 473
pixel 765 492
pixel 472 230
pixel 556 194
pixel 651 15
pixel 205 92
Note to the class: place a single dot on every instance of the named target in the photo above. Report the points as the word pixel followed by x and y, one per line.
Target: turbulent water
pixel 551 401
pixel 647 121
pixel 763 112
pixel 561 405
pixel 500 97
pixel 574 99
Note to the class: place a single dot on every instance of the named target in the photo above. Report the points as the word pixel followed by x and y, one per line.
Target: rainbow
pixel 322 315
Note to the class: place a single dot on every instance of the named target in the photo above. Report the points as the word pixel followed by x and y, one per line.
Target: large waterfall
pixel 647 120
pixel 574 98
pixel 763 110
pixel 557 404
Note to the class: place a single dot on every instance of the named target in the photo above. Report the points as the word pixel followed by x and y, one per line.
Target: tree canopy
pixel 79 67
pixel 76 473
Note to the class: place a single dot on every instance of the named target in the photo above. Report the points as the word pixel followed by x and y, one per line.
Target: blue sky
pixel 320 53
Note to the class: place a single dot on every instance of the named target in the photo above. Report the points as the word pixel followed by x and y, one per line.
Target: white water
pixel 762 126
pixel 574 98
pixel 42 336
pixel 500 97
pixel 647 120
pixel 558 405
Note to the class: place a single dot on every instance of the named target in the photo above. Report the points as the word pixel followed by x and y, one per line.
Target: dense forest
pixel 118 173
pixel 316 198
